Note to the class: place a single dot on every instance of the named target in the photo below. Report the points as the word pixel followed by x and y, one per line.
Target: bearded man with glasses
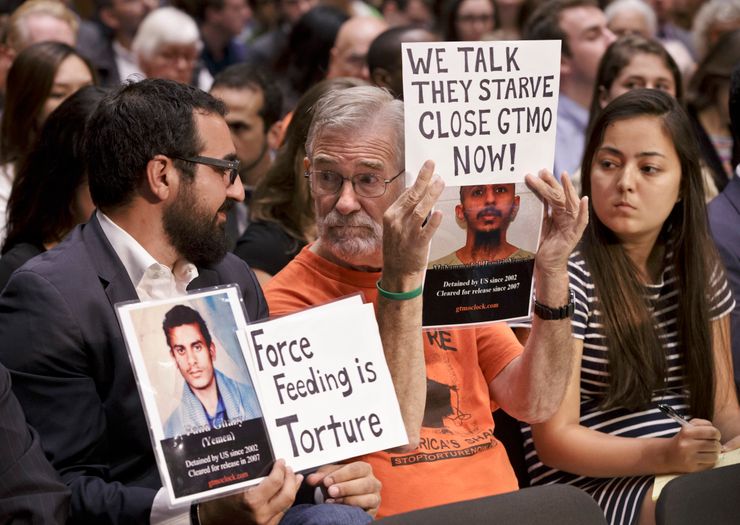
pixel 161 168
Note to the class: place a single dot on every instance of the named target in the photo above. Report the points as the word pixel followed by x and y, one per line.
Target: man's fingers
pixel 429 199
pixel 271 483
pixel 416 191
pixel 283 499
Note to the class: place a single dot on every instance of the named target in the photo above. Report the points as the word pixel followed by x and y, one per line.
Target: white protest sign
pixel 485 112
pixel 325 387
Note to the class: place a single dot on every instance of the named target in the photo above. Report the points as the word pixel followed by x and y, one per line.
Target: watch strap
pixel 555 314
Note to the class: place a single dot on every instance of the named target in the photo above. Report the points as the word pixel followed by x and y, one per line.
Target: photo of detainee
pixel 485 212
pixel 209 397
pixel 190 362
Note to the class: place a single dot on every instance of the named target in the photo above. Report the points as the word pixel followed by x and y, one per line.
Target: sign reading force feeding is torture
pixel 483 111
pixel 224 398
pixel 326 389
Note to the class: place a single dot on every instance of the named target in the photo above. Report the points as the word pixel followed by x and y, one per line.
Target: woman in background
pixel 50 195
pixel 41 78
pixel 468 20
pixel 651 321
pixel 282 215
pixel 708 98
pixel 633 62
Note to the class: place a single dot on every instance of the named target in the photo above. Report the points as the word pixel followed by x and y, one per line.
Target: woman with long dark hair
pixel 651 322
pixel 41 78
pixel 50 194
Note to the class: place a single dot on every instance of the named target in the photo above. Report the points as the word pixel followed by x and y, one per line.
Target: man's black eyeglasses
pixel 230 167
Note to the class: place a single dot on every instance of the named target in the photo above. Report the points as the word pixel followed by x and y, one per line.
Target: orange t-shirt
pixel 458 457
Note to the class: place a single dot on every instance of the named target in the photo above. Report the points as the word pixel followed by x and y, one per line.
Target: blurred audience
pixel 306 58
pixel 106 43
pixel 50 194
pixel 221 22
pixel 408 12
pixel 348 56
pixel 626 17
pixel 581 26
pixel 724 216
pixel 707 100
pixel 282 214
pixel 384 58
pixel 167 45
pixel 40 79
pixel 468 20
pixel 714 19
pixel 33 22
pixel 254 106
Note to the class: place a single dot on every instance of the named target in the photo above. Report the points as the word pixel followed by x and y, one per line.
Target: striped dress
pixel 621 498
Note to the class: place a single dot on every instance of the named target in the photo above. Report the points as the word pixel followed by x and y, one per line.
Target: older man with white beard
pixel 367 222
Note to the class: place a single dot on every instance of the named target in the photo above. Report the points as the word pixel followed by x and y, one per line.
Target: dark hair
pixel 385 49
pixel 282 196
pixel 132 125
pixel 39 208
pixel 305 60
pixel 30 80
pixel 711 75
pixel 716 66
pixel 249 76
pixel 180 315
pixel 618 56
pixel 636 357
pixel 448 26
pixel 544 22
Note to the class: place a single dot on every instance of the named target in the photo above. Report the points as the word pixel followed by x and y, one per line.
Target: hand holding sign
pixel 410 223
pixel 352 484
pixel 564 220
pixel 263 504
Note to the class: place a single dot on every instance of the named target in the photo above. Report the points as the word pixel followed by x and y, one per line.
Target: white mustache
pixel 360 219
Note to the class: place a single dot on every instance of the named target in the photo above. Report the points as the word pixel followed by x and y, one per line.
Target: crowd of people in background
pixel 114 112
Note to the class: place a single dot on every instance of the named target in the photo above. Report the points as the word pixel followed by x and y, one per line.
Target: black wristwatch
pixel 555 314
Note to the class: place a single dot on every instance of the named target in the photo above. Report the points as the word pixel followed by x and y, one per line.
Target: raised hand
pixel 565 219
pixel 408 226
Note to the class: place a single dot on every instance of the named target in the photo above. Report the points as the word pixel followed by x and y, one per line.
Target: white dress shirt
pixel 152 280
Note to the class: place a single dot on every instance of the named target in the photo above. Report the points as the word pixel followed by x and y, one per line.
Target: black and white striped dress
pixel 620 498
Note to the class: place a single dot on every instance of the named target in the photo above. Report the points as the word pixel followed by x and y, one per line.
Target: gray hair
pixel 357 108
pixel 640 6
pixel 711 12
pixel 162 26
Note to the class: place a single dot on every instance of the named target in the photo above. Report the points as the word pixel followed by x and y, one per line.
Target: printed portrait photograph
pixel 486 223
pixel 195 365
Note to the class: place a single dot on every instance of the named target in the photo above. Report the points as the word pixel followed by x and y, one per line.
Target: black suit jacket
pixel 30 491
pixel 60 338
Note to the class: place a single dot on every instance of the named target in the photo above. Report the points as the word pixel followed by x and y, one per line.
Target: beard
pixel 194 232
pixel 350 237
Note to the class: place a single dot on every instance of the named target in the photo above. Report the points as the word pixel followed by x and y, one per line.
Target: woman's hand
pixel 696 447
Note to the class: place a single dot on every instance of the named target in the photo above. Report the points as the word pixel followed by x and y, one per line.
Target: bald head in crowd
pixel 348 57
pixel 384 56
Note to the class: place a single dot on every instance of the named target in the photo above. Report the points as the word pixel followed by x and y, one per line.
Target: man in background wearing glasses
pixel 161 173
pixel 373 238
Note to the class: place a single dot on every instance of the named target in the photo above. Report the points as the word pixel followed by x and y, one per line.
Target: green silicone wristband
pixel 399 296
